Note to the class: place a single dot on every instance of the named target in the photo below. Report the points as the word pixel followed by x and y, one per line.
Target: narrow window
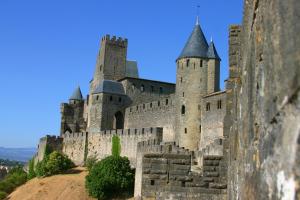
pixel 133 86
pixel 143 130
pixel 167 101
pixel 185 130
pixel 182 109
pixel 200 129
pixel 110 98
pixel 183 94
pixel 201 63
pixel 160 90
pixel 180 79
pixel 97 98
pixel 151 129
pixel 137 107
pixel 150 105
pixel 143 106
pixel 207 106
pixel 183 184
pixel 130 109
pixel 142 88
pixel 187 62
pixel 152 88
pixel 158 103
pixel 152 182
pixel 100 68
pixel 120 99
pixel 199 107
pixel 194 65
pixel 219 104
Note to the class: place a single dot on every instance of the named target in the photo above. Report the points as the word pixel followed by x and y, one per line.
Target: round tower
pixel 192 83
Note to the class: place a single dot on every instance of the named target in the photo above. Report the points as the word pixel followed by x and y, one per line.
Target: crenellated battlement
pixel 75 135
pixel 154 131
pixel 155 146
pixel 118 41
pixel 162 104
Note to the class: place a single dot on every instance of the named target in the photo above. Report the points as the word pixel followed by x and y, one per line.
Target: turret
pixel 76 96
pixel 194 65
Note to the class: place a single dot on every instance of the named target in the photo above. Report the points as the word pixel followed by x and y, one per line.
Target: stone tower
pixel 111 60
pixel 72 114
pixel 108 105
pixel 198 68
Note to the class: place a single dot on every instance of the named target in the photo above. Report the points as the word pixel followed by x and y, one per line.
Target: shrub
pixel 110 177
pixel 6 186
pixel 116 146
pixel 15 178
pixel 2 195
pixel 55 163
pixel 90 162
pixel 31 173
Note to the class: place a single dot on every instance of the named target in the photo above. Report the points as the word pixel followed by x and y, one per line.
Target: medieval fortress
pixel 191 140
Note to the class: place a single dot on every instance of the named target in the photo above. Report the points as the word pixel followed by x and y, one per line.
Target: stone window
pixel 182 183
pixel 100 68
pixel 183 94
pixel 207 106
pixel 152 182
pixel 143 106
pixel 185 130
pixel 158 103
pixel 110 98
pixel 152 88
pixel 182 109
pixel 200 129
pixel 167 101
pixel 199 107
pixel 180 79
pixel 143 130
pixel 201 63
pixel 142 88
pixel 137 107
pixel 97 97
pixel 133 86
pixel 194 65
pixel 130 109
pixel 161 90
pixel 151 129
pixel 187 62
pixel 120 99
pixel 150 105
pixel 219 104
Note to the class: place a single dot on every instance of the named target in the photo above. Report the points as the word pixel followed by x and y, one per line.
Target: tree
pixel 116 146
pixel 110 177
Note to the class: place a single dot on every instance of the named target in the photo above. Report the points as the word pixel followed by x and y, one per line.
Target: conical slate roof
pixel 212 52
pixel 76 94
pixel 196 45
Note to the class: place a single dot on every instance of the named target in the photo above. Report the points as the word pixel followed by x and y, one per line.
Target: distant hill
pixel 17 154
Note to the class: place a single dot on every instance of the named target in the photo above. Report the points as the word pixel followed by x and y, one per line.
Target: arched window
pixel 142 88
pixel 182 109
pixel 207 106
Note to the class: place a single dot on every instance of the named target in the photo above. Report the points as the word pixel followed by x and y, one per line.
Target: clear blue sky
pixel 47 48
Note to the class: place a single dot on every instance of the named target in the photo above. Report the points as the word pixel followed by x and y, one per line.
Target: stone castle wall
pixel 164 172
pixel 74 146
pixel 153 114
pixel 80 146
pixel 213 109
pixel 263 126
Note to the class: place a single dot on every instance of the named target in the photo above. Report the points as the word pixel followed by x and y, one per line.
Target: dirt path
pixel 60 187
